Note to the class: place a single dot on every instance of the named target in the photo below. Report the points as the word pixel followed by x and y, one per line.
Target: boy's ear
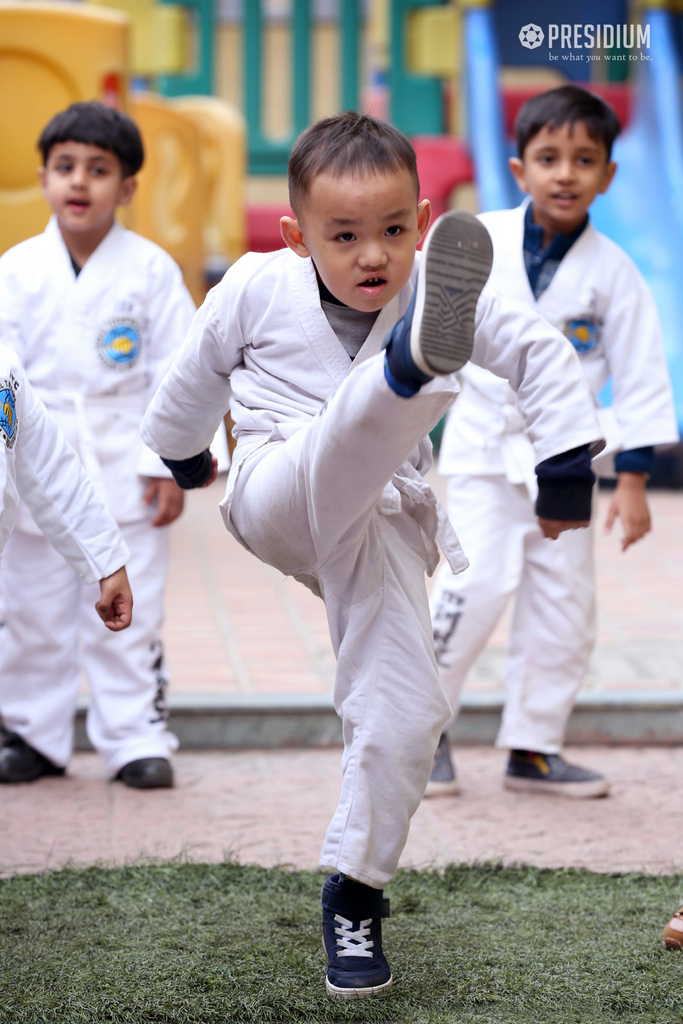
pixel 517 169
pixel 127 190
pixel 608 177
pixel 41 177
pixel 293 236
pixel 424 216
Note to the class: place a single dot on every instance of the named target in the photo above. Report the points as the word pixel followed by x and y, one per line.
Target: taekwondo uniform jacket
pixel 38 465
pixel 95 348
pixel 601 304
pixel 263 330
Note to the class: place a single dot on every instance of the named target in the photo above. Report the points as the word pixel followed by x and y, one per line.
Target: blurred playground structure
pixel 220 88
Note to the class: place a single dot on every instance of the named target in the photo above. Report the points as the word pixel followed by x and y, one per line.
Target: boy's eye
pixel 394 230
pixel 64 167
pixel 346 236
pixel 98 171
pixel 546 158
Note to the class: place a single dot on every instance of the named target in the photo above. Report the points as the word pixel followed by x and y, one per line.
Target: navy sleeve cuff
pixel 637 460
pixel 192 472
pixel 565 486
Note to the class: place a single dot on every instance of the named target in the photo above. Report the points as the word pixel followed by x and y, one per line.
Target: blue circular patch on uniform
pixel 583 335
pixel 119 343
pixel 8 415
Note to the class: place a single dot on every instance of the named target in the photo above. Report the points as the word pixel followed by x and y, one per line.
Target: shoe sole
pixel 442 788
pixel 456 263
pixel 356 993
pixel 573 790
pixel 165 783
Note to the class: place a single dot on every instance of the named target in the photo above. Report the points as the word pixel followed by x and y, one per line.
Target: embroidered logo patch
pixel 583 334
pixel 118 343
pixel 8 410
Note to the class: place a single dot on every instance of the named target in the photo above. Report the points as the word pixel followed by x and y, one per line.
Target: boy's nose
pixel 566 171
pixel 372 257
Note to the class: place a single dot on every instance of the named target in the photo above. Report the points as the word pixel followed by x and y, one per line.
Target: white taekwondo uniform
pixel 599 301
pixel 38 466
pixel 94 348
pixel 326 484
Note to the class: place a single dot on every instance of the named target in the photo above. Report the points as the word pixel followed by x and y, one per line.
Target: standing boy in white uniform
pixel 96 314
pixel 548 256
pixel 326 482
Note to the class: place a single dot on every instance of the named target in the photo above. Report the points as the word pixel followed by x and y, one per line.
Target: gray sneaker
pixel 550 773
pixel 442 781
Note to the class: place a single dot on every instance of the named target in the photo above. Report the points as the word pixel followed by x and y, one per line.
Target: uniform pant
pixel 308 506
pixel 553 623
pixel 51 631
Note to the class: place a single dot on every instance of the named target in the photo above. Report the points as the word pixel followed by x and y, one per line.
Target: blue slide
pixel 643 210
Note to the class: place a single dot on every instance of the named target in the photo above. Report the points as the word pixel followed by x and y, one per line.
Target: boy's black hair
pixel 566 105
pixel 97 125
pixel 348 143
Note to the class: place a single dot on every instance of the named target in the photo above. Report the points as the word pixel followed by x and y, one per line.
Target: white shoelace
pixel 354 943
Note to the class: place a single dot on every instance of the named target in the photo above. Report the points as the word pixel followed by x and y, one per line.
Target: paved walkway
pixel 273 807
pixel 234 624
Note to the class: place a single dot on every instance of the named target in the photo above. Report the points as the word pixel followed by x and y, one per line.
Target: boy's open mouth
pixel 78 204
pixel 565 197
pixel 373 284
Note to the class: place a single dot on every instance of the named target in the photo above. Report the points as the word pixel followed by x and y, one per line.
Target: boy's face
pixel 563 171
pixel 84 184
pixel 361 233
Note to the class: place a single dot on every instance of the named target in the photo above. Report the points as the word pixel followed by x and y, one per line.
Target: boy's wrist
pixel 565 486
pixel 193 472
pixel 633 481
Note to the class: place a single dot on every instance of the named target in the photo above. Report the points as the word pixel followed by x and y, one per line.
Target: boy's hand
pixel 630 504
pixel 115 606
pixel 552 528
pixel 169 498
pixel 214 471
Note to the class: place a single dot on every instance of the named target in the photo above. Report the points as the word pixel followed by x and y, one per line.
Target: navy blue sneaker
pixel 352 939
pixel 550 773
pixel 436 333
pixel 443 781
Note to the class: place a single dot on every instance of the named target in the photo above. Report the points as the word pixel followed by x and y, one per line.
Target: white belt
pixel 428 512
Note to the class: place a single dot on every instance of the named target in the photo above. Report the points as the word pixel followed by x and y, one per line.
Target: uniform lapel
pixel 327 346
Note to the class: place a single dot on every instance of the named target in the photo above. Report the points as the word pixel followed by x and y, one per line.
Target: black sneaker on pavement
pixel 21 763
pixel 435 335
pixel 147 773
pixel 442 781
pixel 550 773
pixel 352 939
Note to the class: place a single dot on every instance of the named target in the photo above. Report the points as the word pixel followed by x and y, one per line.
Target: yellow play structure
pixel 190 198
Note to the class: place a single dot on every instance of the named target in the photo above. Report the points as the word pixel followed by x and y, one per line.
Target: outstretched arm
pixel 554 400
pixel 59 495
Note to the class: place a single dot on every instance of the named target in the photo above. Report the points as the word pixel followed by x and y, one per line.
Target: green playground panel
pixel 266 156
pixel 198 81
pixel 416 100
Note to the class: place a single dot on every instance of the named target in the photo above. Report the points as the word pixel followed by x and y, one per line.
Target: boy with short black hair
pixel 96 314
pixel 548 256
pixel 341 356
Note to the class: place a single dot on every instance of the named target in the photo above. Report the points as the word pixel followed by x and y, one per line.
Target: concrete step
pixel 271 720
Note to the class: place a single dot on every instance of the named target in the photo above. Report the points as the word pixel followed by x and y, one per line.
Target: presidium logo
pixel 588 37
pixel 531 36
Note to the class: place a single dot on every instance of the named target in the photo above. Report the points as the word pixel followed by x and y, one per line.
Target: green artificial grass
pixel 179 943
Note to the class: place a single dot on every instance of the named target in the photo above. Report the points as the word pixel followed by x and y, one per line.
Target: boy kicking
pixel 340 356
pixel 548 256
